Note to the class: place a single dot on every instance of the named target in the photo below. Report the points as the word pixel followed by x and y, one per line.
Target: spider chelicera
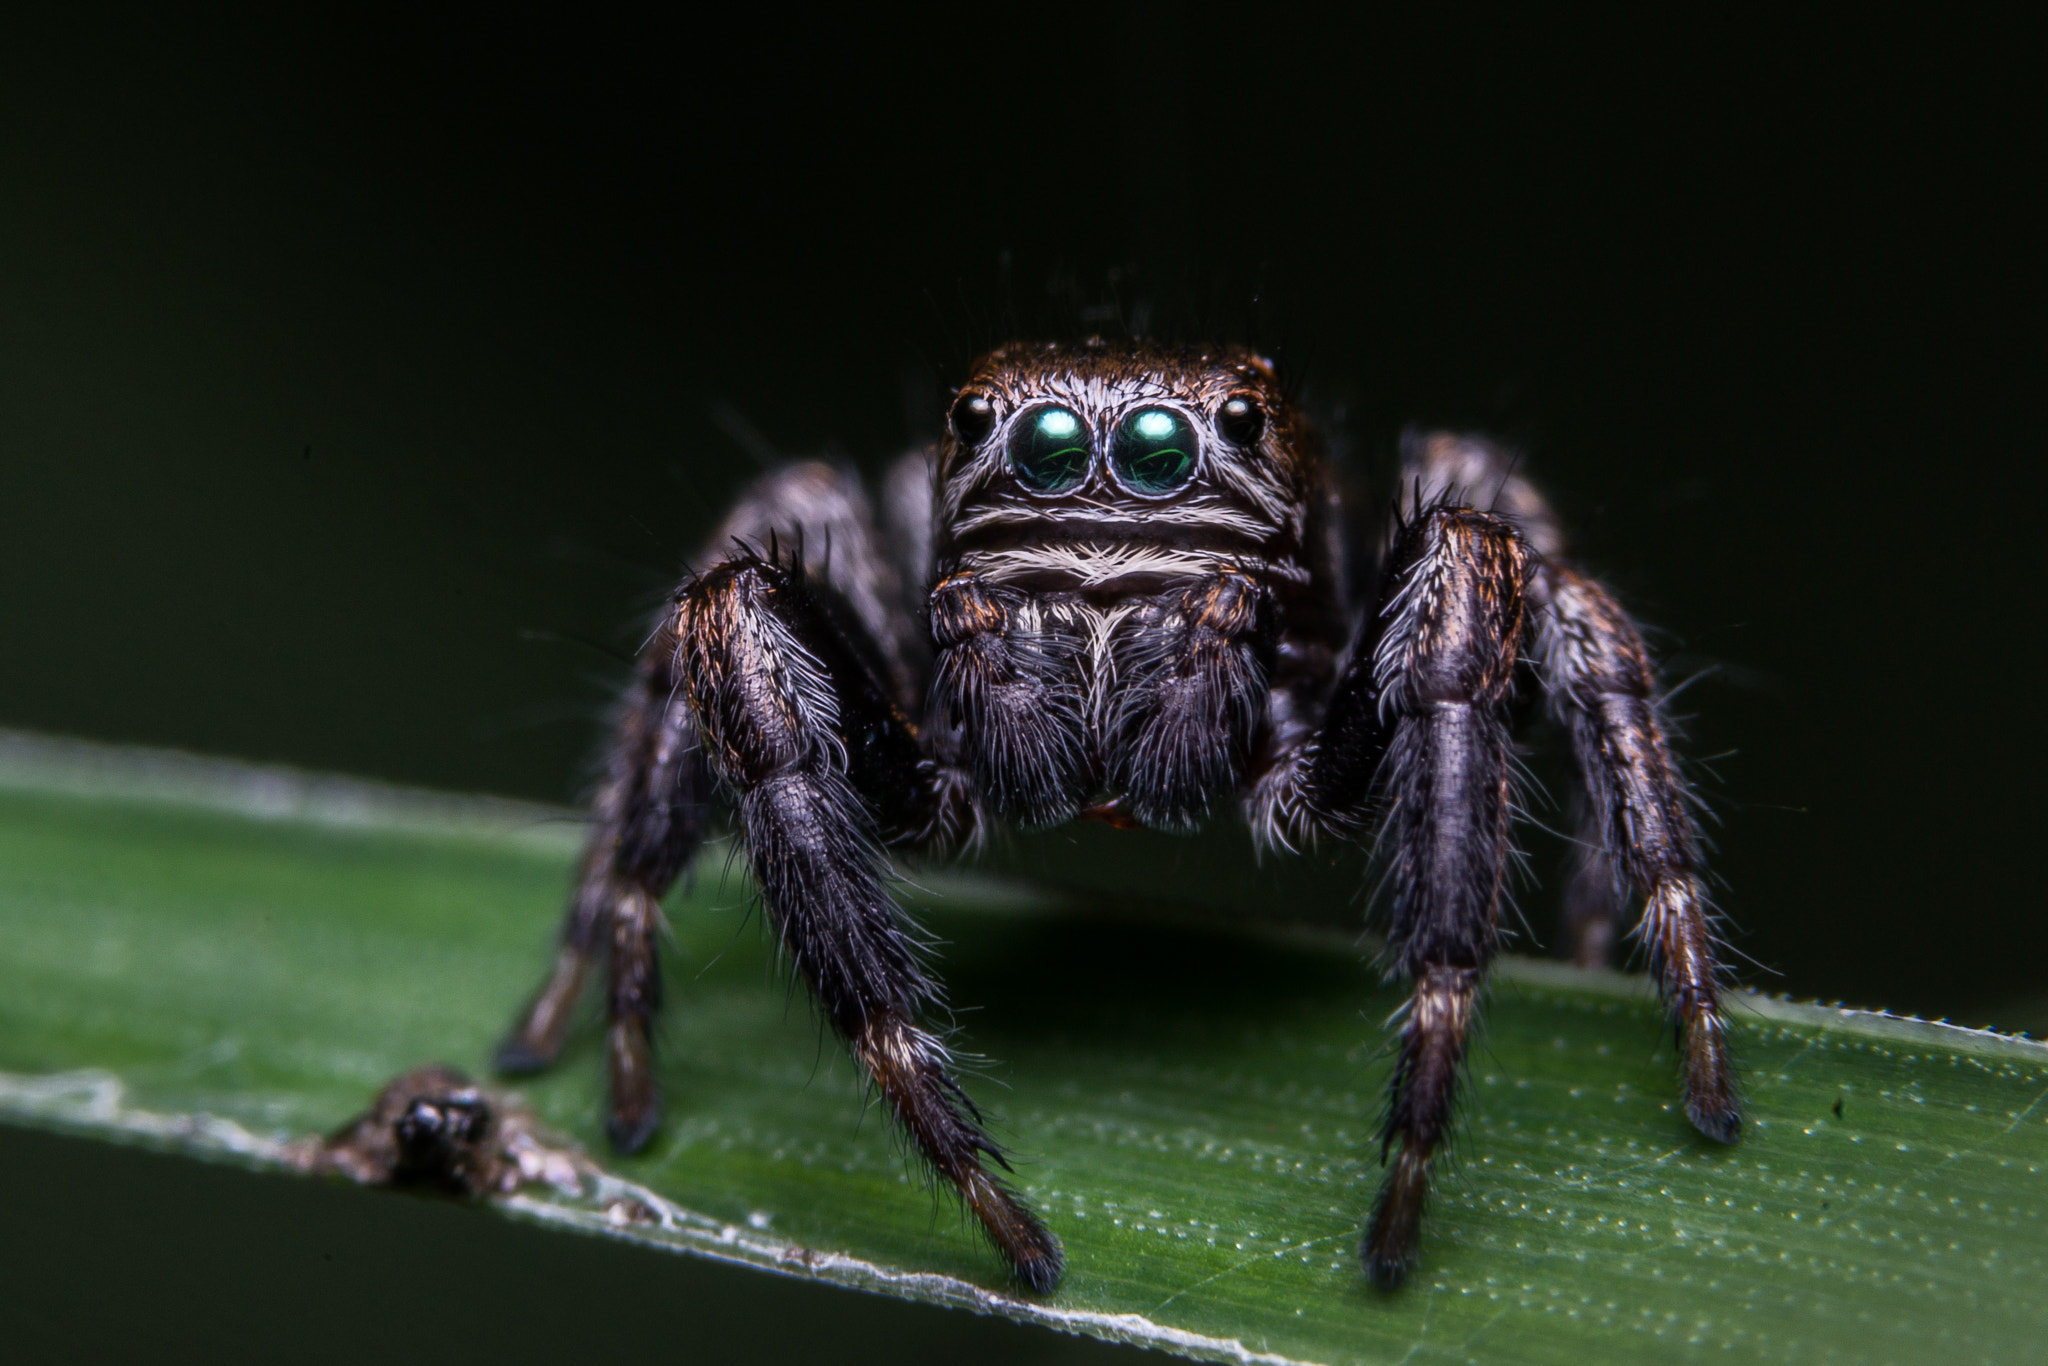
pixel 1125 585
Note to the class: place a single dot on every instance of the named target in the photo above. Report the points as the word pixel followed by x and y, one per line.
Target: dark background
pixel 116 1255
pixel 354 369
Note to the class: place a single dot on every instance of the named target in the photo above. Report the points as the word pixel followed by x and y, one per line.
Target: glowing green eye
pixel 1049 451
pixel 1155 450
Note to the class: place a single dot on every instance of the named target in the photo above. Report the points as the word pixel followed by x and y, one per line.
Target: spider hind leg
pixel 649 822
pixel 651 806
pixel 1641 833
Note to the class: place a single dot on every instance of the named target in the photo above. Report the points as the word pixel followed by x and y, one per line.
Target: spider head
pixel 1096 424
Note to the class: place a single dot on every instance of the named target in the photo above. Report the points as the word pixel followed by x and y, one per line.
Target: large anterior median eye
pixel 1154 451
pixel 1049 450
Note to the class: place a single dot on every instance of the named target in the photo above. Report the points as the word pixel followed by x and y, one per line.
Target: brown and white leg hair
pixel 1415 735
pixel 1602 688
pixel 1638 835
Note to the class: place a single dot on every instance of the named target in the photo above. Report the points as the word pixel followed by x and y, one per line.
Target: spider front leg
pixel 822 768
pixel 1640 831
pixel 1418 726
pixel 1442 671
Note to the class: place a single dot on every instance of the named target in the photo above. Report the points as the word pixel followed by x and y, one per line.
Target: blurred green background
pixel 363 377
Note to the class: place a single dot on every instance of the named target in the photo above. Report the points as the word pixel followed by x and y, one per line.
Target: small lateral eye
pixel 1155 450
pixel 973 417
pixel 1241 419
pixel 1049 450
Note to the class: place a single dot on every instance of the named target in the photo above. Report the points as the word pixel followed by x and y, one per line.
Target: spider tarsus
pixel 630 1133
pixel 910 1069
pixel 543 1027
pixel 635 1100
pixel 1723 1125
pixel 1710 1101
pixel 1391 1239
pixel 1040 1271
pixel 516 1057
pixel 1037 1262
pixel 1385 1269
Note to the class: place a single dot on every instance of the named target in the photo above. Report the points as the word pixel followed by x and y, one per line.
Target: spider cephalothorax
pixel 1119 588
pixel 1123 541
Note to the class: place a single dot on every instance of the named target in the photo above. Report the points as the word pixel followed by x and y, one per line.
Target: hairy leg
pixel 1417 728
pixel 649 811
pixel 1638 837
pixel 822 766
pixel 1471 471
pixel 823 512
pixel 1603 689
pixel 649 821
pixel 1443 669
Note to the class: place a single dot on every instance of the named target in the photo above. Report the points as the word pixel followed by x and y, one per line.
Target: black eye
pixel 972 418
pixel 1049 451
pixel 1155 450
pixel 1240 419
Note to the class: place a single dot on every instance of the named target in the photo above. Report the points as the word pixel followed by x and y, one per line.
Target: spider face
pixel 1118 588
pixel 1118 537
pixel 1105 453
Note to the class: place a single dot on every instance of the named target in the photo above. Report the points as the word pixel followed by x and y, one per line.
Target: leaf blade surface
pixel 1193 1106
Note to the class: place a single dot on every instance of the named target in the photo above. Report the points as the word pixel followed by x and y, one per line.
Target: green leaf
pixel 221 959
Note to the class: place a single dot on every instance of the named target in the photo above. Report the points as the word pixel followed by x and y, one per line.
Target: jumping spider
pixel 1128 588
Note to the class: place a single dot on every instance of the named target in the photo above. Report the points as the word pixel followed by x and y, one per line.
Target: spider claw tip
pixel 1387 1270
pixel 629 1133
pixel 1040 1273
pixel 1722 1123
